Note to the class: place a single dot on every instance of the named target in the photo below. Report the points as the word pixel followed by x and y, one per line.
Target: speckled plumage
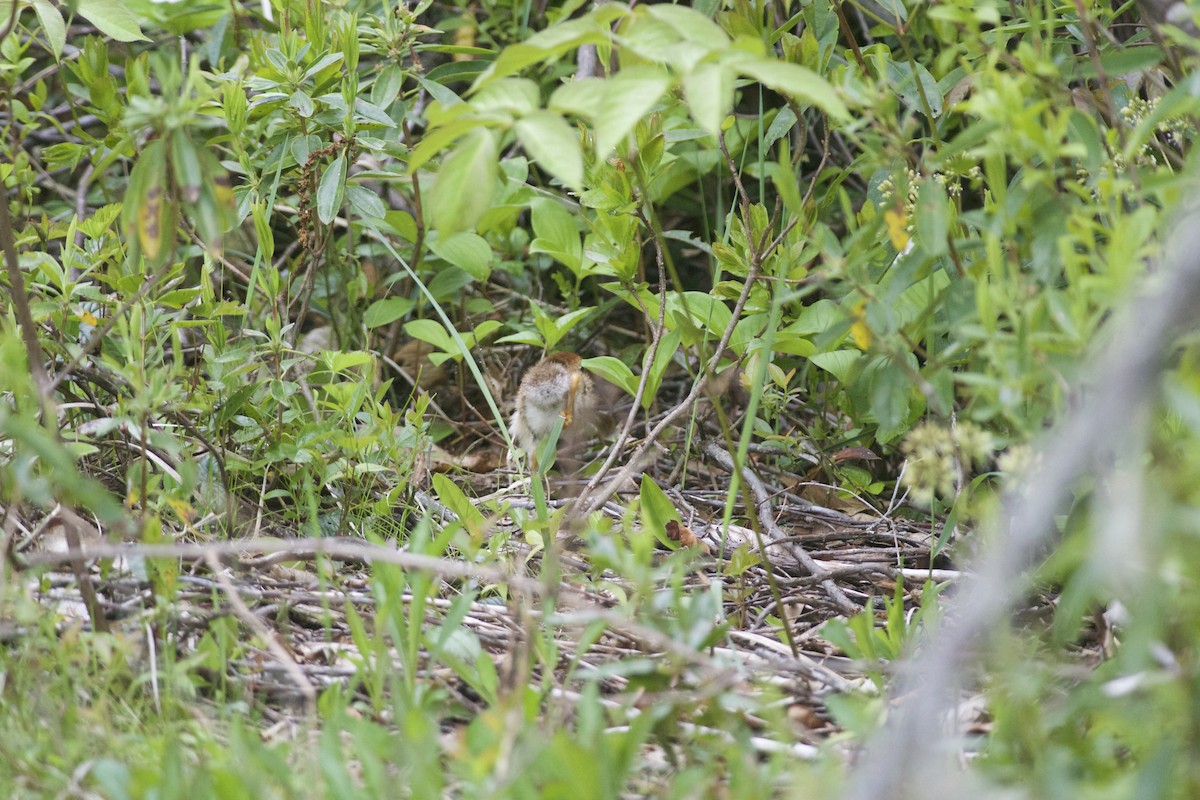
pixel 554 387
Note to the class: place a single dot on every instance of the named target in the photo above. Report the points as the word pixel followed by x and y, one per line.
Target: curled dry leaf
pixel 854 454
pixel 477 462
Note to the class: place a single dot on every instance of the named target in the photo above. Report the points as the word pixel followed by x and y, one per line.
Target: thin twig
pixel 596 502
pixel 737 182
pixel 269 637
pixel 20 301
pixel 648 363
pixel 12 22
pixel 766 518
pixel 576 606
pixel 71 523
pixel 340 548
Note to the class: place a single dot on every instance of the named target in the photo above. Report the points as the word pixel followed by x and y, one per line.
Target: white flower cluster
pixel 939 458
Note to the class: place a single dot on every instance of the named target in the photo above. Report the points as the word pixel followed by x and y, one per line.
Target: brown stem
pixel 12 22
pixel 849 34
pixel 33 348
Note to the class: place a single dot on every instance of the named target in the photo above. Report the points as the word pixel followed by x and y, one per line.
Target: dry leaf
pixel 854 454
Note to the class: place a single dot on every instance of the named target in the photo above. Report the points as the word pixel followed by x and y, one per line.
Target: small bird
pixel 554 387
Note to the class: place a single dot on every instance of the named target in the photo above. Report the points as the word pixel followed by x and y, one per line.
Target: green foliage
pixel 889 227
pixel 860 637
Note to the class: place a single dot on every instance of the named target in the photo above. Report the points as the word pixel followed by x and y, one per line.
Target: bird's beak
pixel 572 390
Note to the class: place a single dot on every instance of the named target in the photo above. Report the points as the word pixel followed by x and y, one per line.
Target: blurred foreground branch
pixel 913 756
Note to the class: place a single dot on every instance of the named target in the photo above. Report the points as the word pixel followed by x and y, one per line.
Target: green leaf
pixel 322 63
pixel 185 161
pixel 52 25
pixel 895 12
pixel 343 361
pixel 689 23
pixel 581 97
pixel 556 233
pixel 1122 62
pixel 428 330
pixel 386 311
pixel 366 204
pixel 373 114
pixel 553 329
pixel 890 398
pixel 917 298
pixel 262 229
pixel 454 71
pixel 437 140
pixel 453 498
pixel 905 83
pixel 515 96
pixel 703 311
pixel 554 144
pixel 148 211
pixel 614 371
pixel 839 363
pixel 793 345
pixel 329 193
pixel 438 92
pixel 817 318
pixel 178 298
pixel 448 282
pixel 657 510
pixel 455 49
pixel 615 105
pixel 302 103
pixel 531 338
pixel 709 93
pixel 467 250
pixel 113 19
pixel 629 96
pixel 933 218
pixel 779 127
pixel 465 184
pixel 667 347
pixel 100 222
pixel 796 82
pixel 402 223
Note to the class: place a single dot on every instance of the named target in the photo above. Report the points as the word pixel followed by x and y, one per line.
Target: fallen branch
pixel 766 518
pixel 269 637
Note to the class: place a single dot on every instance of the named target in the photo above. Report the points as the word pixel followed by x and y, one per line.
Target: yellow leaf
pixel 897 225
pixel 464 36
pixel 149 222
pixel 858 329
pixel 223 191
pixel 182 509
